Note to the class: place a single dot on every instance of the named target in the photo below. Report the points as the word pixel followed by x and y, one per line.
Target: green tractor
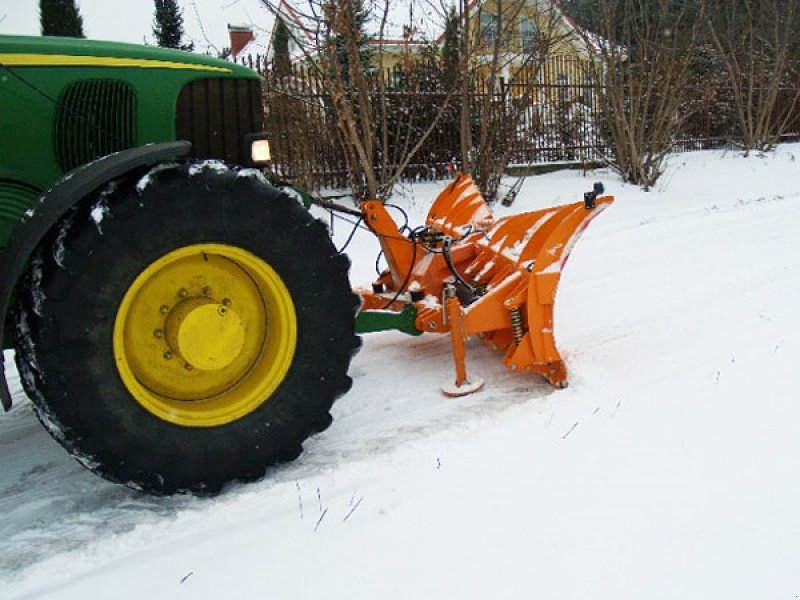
pixel 178 322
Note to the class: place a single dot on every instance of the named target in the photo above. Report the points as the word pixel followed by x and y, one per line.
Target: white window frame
pixel 528 33
pixel 489 28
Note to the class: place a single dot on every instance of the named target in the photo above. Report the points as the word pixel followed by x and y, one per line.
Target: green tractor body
pixel 67 102
pixel 178 322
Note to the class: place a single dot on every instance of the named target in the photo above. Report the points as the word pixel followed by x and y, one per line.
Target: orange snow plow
pixel 466 273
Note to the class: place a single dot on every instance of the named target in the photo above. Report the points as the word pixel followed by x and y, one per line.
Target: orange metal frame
pixel 513 265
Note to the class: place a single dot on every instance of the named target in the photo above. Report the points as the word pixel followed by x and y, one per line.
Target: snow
pixel 99 212
pixel 667 470
pixel 147 178
pixel 514 252
pixel 36 283
pixel 100 209
pixel 207 165
pixel 59 250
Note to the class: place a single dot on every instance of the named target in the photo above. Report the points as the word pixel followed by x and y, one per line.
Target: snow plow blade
pixel 467 273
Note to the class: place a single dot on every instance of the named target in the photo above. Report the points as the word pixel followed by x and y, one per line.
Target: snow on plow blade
pixel 467 273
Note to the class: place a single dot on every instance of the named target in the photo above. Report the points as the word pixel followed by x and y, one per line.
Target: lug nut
pixel 167 355
pixel 206 291
pixel 188 367
pixel 431 325
pixel 226 301
pixel 159 333
pixel 222 311
pixel 183 293
pixel 164 309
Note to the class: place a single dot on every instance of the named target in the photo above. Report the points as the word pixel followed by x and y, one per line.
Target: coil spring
pixel 516 326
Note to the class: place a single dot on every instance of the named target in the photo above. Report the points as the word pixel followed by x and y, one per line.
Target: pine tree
pixel 580 10
pixel 168 25
pixel 280 49
pixel 348 22
pixel 451 50
pixel 61 18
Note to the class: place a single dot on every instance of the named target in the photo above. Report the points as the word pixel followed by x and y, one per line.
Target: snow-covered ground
pixel 670 468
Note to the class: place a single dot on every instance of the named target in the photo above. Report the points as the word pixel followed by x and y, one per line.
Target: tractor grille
pixel 93 118
pixel 216 114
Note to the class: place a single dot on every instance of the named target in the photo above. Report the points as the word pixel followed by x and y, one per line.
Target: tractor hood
pixel 28 51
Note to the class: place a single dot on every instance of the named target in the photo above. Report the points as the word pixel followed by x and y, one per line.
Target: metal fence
pixel 549 116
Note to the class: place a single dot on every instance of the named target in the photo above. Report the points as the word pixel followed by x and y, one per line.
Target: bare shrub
pixel 756 42
pixel 645 50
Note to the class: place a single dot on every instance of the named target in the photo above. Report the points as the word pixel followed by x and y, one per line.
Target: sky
pixel 205 21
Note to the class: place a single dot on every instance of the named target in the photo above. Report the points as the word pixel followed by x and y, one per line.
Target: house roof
pixel 591 40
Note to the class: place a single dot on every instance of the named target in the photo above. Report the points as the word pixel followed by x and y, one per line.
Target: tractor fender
pixel 53 204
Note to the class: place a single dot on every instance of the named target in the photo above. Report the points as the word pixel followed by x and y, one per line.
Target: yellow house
pixel 518 37
pixel 521 33
pixel 527 41
pixel 528 38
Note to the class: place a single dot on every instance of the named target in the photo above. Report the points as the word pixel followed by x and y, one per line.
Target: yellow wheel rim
pixel 205 335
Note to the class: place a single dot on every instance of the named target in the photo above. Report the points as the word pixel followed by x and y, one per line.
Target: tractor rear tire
pixel 185 328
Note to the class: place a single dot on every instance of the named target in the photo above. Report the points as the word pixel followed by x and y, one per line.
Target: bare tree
pixel 645 50
pixel 505 46
pixel 331 41
pixel 756 41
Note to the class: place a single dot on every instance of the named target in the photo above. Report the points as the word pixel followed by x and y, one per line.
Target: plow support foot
pixel 463 385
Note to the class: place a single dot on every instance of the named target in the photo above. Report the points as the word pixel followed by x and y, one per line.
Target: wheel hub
pixel 206 334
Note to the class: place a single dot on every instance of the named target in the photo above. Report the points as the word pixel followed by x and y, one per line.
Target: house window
pixel 562 81
pixel 528 33
pixel 588 90
pixel 489 28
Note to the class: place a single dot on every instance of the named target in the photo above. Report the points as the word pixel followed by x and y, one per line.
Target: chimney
pixel 240 35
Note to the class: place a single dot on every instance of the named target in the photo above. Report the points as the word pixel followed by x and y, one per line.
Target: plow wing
pixel 466 273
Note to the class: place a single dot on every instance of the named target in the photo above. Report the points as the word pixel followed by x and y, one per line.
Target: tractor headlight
pixel 258 148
